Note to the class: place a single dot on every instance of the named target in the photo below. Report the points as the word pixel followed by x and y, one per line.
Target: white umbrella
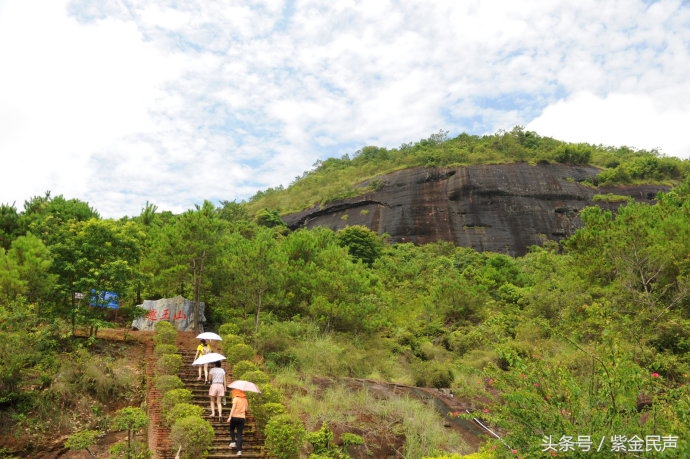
pixel 209 335
pixel 208 358
pixel 244 386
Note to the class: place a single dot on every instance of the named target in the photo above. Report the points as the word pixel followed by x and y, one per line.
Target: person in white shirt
pixel 217 389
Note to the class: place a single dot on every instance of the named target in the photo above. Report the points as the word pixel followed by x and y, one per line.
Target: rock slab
pixel 503 208
pixel 179 311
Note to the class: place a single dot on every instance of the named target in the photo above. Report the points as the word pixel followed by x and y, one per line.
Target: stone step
pixel 220 449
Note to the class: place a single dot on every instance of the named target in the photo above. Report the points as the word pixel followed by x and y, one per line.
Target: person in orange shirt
pixel 238 415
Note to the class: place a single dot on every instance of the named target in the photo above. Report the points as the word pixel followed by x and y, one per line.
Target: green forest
pixel 572 344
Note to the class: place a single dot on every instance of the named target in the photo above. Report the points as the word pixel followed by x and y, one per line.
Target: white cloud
pixel 617 120
pixel 120 101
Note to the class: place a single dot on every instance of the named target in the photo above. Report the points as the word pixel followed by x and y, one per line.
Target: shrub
pixel 264 412
pixel 242 367
pixel 228 328
pixel 165 383
pixel 278 360
pixel 257 376
pixel 183 410
pixel 574 154
pixel 162 349
pixel 194 435
pixel 284 436
pixel 269 394
pixel 172 398
pixel 321 439
pixel 464 341
pixel 163 326
pixel 239 352
pixel 610 197
pixel 231 340
pixel 137 450
pixel 133 420
pixel 165 333
pixel 168 364
pixel 83 440
pixel 105 378
pixel 348 438
pixel 433 374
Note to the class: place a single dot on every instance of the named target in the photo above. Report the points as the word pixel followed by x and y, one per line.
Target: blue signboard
pixel 105 299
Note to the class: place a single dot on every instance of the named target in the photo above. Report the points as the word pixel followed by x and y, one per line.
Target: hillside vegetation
pixel 576 344
pixel 336 178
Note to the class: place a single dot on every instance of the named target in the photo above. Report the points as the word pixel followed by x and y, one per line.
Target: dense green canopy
pixel 589 337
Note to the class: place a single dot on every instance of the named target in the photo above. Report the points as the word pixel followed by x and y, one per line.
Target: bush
pixel 136 450
pixel 194 435
pixel 284 436
pixel 264 412
pixel 182 410
pixel 162 349
pixel 574 154
pixel 83 440
pixel 278 360
pixel 433 374
pixel 133 420
pixel 231 340
pixel 239 352
pixel 168 364
pixel 321 439
pixel 464 341
pixel 348 438
pixel 164 383
pixel 257 376
pixel 228 328
pixel 172 398
pixel 269 394
pixel 165 333
pixel 242 367
pixel 163 326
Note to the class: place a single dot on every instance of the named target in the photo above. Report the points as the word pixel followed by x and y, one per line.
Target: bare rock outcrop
pixel 504 208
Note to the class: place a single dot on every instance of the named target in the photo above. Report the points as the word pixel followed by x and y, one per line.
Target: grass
pixel 416 427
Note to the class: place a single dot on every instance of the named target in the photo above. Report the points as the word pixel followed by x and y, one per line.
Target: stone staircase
pixel 159 435
pixel 252 443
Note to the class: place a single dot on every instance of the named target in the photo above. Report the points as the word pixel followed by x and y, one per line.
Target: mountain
pixel 504 208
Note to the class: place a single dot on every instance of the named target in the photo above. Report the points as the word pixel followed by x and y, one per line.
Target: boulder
pixel 179 311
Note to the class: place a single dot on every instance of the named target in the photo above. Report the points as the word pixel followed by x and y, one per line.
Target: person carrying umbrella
pixel 237 417
pixel 202 349
pixel 217 389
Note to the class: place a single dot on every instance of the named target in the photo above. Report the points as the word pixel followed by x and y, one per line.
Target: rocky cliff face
pixel 499 208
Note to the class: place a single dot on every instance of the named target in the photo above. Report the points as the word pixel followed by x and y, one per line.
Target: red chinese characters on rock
pixel 153 315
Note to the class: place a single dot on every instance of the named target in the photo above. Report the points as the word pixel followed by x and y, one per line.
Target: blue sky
pixel 120 102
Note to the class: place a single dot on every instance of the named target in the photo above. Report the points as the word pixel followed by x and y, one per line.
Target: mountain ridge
pixel 504 208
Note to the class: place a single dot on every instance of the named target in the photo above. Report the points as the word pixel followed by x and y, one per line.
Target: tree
pixel 255 268
pixel 11 285
pixel 83 440
pixel 44 214
pixel 148 214
pixel 580 154
pixel 270 219
pixel 182 251
pixel 9 225
pixel 96 256
pixel 132 420
pixel 34 262
pixel 362 243
pixel 193 436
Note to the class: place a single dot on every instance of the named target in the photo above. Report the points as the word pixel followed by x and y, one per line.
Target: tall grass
pixel 373 416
